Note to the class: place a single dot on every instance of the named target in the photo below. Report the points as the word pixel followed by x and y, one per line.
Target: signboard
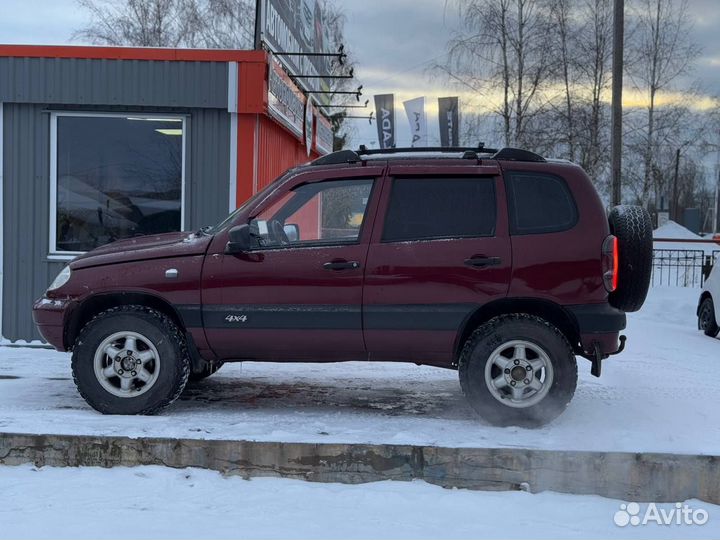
pixel 308 124
pixel 415 110
pixel 285 100
pixel 323 135
pixel 385 114
pixel 297 26
pixel 449 118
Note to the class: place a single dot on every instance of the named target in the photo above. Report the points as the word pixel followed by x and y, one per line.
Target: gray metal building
pixel 104 143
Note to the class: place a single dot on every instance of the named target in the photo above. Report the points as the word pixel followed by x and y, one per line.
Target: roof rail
pixel 517 154
pixel 479 149
pixel 505 154
pixel 336 158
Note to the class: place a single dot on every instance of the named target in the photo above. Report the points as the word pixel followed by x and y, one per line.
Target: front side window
pixel 116 177
pixel 436 208
pixel 330 212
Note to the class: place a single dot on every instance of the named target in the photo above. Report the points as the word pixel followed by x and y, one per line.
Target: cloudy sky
pixel 395 42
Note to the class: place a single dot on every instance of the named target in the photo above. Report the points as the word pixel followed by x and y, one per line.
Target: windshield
pixel 252 200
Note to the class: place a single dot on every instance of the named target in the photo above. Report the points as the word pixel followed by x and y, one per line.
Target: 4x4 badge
pixel 236 318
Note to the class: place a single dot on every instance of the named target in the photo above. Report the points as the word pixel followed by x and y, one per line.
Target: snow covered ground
pixel 660 395
pixel 155 502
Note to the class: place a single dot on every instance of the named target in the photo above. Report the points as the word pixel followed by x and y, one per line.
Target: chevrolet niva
pixel 502 265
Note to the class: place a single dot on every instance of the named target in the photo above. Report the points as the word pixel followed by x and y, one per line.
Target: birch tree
pixel 501 50
pixel 664 55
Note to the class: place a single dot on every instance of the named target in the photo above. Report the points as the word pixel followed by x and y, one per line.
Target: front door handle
pixel 482 262
pixel 341 265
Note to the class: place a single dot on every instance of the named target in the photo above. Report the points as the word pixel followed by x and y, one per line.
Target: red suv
pixel 500 264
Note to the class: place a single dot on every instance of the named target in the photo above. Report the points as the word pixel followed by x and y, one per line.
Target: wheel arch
pixel 97 303
pixel 545 309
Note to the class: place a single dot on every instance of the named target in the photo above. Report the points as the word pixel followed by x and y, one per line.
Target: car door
pixel 439 251
pixel 297 295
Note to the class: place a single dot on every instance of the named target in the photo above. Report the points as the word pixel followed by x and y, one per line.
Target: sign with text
pixel 285 100
pixel 415 110
pixel 385 114
pixel 297 26
pixel 449 118
pixel 323 135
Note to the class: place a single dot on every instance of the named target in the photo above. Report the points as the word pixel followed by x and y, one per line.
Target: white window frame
pixel 53 253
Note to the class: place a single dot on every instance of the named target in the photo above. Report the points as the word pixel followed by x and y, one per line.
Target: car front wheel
pixel 518 370
pixel 130 360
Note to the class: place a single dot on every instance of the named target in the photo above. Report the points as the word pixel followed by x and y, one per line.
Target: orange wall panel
pixel 265 151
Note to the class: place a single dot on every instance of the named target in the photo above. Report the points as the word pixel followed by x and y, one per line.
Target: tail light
pixel 610 263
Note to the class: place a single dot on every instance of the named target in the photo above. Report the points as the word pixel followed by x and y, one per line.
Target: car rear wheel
pixel 518 370
pixel 706 318
pixel 130 360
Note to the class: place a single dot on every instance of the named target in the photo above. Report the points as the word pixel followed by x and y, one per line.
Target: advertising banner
pixel 285 100
pixel 415 110
pixel 449 118
pixel 323 135
pixel 297 26
pixel 385 114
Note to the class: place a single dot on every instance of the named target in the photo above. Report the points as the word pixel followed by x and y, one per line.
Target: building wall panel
pixel 113 82
pixel 278 150
pixel 207 168
pixel 26 199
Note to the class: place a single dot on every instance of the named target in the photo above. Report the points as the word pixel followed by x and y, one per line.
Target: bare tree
pixel 502 47
pixel 664 55
pixel 144 23
pixel 594 48
pixel 560 13
pixel 334 20
pixel 220 24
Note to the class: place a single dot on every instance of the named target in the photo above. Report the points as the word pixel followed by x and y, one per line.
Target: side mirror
pixel 292 231
pixel 240 239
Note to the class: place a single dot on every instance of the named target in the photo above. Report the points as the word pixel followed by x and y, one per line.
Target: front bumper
pixel 49 317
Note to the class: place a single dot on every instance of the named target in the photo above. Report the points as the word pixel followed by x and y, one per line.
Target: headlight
pixel 62 278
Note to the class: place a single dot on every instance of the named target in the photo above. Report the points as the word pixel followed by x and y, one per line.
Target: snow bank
pixel 676 231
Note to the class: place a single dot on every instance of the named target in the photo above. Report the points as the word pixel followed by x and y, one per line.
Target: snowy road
pixel 660 395
pixel 155 502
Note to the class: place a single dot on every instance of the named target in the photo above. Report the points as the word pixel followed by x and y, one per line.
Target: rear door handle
pixel 482 262
pixel 341 265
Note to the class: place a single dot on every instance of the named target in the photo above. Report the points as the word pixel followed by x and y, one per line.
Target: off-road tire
pixel 207 370
pixel 706 318
pixel 633 228
pixel 476 353
pixel 165 336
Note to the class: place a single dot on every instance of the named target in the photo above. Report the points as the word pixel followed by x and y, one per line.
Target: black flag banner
pixel 449 118
pixel 385 114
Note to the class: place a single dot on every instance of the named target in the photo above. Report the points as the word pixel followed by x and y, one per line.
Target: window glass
pixel 540 203
pixel 323 212
pixel 117 177
pixel 426 208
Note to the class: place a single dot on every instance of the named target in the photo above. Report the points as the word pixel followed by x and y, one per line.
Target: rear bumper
pixel 49 317
pixel 599 324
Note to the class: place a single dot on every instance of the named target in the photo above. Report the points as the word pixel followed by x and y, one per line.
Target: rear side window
pixel 427 208
pixel 539 203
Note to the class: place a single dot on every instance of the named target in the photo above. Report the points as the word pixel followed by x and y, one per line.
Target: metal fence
pixel 682 267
